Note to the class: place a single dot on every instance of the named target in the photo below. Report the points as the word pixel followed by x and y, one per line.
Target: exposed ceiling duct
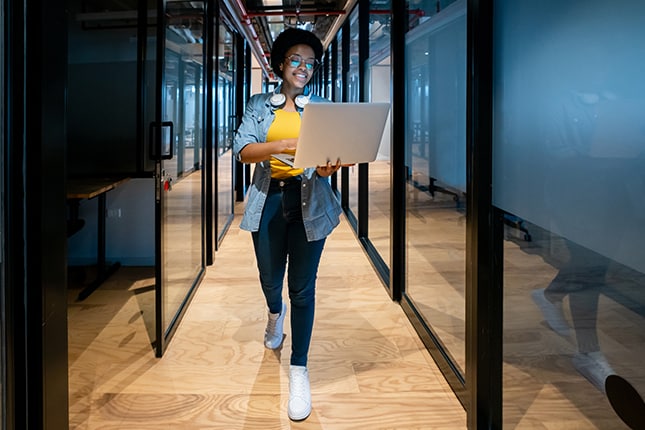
pixel 237 9
pixel 260 21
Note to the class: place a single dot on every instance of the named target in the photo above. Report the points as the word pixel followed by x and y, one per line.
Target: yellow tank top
pixel 285 125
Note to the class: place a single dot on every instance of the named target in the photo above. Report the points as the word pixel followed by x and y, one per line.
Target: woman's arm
pixel 257 152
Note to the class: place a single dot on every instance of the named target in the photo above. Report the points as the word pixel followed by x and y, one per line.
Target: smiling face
pixel 295 72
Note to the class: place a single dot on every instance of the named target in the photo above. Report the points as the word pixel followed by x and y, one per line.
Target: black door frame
pixel 165 329
pixel 34 175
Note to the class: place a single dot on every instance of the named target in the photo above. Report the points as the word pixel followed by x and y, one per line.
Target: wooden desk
pixel 89 188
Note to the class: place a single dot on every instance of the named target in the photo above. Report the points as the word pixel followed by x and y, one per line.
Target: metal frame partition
pixel 12 251
pixel 484 231
pixel 334 96
pixel 397 165
pixel 344 183
pixel 242 93
pixel 363 92
pixel 210 206
pixel 160 324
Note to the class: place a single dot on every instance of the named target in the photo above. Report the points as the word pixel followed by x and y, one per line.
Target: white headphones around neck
pixel 278 99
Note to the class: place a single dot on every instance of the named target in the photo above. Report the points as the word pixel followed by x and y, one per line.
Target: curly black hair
pixel 289 38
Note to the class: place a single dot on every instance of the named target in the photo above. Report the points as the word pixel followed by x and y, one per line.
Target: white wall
pixel 380 86
pixel 256 77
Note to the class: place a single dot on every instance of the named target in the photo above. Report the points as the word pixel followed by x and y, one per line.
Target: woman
pixel 289 211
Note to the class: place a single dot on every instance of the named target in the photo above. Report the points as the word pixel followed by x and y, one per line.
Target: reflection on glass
pixel 379 170
pixel 421 11
pixel 353 83
pixel 569 158
pixel 226 128
pixel 328 82
pixel 576 318
pixel 225 190
pixel 192 131
pixel 182 225
pixel 339 67
pixel 171 103
pixel 435 153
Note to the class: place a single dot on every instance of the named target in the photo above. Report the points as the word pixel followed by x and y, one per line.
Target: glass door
pixel 174 134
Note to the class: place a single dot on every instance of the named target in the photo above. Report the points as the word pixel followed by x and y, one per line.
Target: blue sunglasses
pixel 296 61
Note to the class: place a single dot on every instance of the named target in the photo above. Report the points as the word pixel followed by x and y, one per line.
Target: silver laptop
pixel 349 132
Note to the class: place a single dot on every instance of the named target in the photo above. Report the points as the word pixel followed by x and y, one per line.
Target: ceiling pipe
pixel 250 30
pixel 331 34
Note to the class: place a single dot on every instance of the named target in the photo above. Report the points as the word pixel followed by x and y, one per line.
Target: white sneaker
pixel 299 393
pixel 594 367
pixel 552 312
pixel 274 332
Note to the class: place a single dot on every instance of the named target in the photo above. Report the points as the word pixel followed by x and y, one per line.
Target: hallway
pixel 368 368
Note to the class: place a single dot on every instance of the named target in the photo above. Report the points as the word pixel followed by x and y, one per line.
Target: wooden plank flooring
pixel 369 370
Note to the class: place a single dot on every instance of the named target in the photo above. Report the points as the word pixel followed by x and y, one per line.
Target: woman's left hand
pixel 328 169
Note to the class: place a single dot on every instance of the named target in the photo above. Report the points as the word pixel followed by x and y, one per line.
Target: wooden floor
pixel 368 368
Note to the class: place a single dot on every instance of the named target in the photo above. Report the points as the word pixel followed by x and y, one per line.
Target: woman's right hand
pixel 289 144
pixel 257 152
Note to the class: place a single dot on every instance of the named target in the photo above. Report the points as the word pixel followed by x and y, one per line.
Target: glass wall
pixel 353 89
pixel 102 66
pixel 379 170
pixel 435 157
pixel 569 171
pixel 171 110
pixel 225 124
pixel 182 196
pixel 338 96
pixel 190 152
pixel 183 103
pixel 327 73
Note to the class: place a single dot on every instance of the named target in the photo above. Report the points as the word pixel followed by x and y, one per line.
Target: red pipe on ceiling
pixel 254 35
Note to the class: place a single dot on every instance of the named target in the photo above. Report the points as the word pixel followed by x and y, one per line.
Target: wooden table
pixel 89 188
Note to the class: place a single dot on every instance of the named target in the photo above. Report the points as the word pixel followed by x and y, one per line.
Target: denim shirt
pixel 320 207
